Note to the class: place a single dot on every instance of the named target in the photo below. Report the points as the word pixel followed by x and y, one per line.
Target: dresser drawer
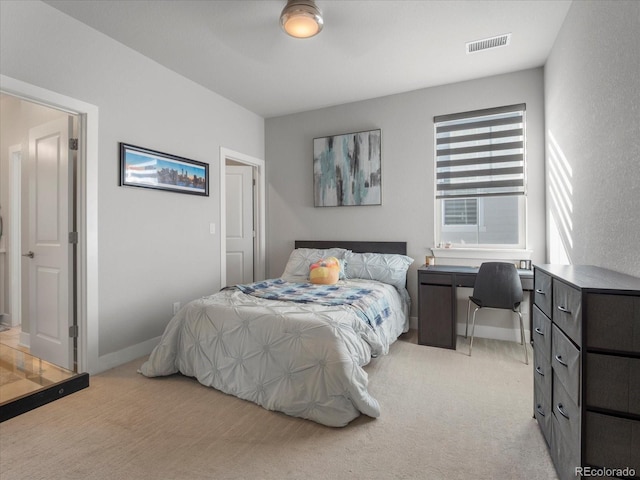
pixel 566 413
pixel 613 382
pixel 542 291
pixel 435 279
pixel 465 280
pixel 541 333
pixel 613 322
pixel 542 409
pixel 612 442
pixel 565 360
pixel 565 455
pixel 542 371
pixel 567 310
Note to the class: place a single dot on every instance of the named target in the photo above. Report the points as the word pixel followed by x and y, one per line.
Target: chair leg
pixel 466 330
pixel 526 352
pixel 473 329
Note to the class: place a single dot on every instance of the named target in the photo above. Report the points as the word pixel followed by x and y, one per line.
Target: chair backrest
pixel 498 285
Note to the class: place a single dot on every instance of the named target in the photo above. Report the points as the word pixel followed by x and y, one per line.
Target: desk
pixel 437 301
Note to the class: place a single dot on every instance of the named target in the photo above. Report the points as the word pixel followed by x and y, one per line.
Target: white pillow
pixel 383 267
pixel 297 269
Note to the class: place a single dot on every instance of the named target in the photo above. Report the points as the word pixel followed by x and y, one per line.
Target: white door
pixel 240 231
pixel 50 252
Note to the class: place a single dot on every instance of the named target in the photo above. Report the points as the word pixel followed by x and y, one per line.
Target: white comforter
pixel 301 359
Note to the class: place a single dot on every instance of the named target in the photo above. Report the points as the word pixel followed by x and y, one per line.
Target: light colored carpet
pixel 444 416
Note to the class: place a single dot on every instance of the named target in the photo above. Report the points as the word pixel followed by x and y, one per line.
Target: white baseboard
pixel 8 320
pixel 496 333
pixel 484 331
pixel 115 359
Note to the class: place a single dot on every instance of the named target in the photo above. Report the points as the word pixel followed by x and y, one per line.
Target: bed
pixel 291 346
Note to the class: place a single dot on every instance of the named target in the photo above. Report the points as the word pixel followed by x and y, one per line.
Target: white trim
pixel 25 339
pixel 260 253
pixel 87 209
pixel 513 254
pixel 495 333
pixel 128 354
pixel 485 331
pixel 15 270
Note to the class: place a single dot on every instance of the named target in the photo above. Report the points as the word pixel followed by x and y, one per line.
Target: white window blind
pixel 481 153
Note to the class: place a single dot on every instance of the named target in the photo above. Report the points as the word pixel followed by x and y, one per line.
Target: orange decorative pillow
pixel 325 271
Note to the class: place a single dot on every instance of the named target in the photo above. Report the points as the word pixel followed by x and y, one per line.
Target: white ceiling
pixel 367 49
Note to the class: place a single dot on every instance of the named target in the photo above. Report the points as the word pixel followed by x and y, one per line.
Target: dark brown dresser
pixel 586 339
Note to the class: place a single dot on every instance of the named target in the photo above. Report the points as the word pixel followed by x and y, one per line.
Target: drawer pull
pixel 539 410
pixel 541 292
pixel 561 361
pixel 560 409
pixel 539 332
pixel 539 371
pixel 564 310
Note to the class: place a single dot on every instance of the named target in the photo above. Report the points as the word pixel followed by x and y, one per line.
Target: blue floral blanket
pixel 368 301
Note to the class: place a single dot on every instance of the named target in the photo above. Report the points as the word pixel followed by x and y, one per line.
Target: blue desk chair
pixel 497 285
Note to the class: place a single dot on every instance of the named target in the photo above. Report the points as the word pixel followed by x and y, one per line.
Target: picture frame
pixel 347 169
pixel 146 168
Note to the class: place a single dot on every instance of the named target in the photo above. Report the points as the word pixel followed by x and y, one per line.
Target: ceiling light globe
pixel 301 19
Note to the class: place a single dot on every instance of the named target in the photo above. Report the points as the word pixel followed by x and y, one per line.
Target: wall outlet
pixel 176 307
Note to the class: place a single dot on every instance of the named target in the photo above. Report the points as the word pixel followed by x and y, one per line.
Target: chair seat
pixel 477 301
pixel 481 304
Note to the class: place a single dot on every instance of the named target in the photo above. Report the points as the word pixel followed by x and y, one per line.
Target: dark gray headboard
pixel 357 247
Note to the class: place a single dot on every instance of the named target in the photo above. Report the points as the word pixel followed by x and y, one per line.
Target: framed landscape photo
pixel 141 167
pixel 347 169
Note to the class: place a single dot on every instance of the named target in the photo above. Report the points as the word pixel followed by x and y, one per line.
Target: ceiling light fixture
pixel 301 18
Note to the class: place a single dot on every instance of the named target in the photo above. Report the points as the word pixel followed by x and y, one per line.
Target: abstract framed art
pixel 347 169
pixel 141 167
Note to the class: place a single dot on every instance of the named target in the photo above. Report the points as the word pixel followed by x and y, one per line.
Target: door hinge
pixel 73 144
pixel 73 237
pixel 73 331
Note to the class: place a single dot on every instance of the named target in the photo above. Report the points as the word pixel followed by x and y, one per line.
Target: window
pixel 480 178
pixel 460 211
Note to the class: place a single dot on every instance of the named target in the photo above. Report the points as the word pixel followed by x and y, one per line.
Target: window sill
pixel 485 254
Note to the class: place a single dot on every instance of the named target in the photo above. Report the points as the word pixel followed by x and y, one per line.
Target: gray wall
pixel 592 99
pixel 154 247
pixel 407 210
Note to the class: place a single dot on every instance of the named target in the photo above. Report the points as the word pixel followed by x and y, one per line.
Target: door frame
pixel 259 213
pixel 15 238
pixel 87 210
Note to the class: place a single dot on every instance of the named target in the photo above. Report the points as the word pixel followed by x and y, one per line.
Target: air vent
pixel 487 43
